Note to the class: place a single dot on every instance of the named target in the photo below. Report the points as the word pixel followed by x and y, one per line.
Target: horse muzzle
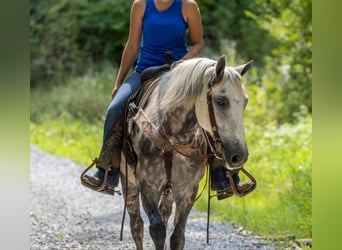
pixel 235 157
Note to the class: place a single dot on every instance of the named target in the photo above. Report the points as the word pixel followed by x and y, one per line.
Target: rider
pixel 156 27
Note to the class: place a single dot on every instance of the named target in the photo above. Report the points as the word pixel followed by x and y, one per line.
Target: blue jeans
pixel 219 180
pixel 118 104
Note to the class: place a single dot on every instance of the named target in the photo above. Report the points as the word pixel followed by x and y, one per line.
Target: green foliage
pixel 288 74
pixel 281 161
pixel 67 120
pixel 68 36
pixel 54 51
pixel 225 22
pixel 84 98
pixel 72 139
pixel 277 35
pixel 103 28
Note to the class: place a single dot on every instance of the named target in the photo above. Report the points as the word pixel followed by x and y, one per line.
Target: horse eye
pixel 221 101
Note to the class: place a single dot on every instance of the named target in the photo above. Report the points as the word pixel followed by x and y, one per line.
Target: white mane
pixel 183 83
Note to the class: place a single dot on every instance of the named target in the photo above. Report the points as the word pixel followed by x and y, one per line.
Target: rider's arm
pixel 192 16
pixel 131 50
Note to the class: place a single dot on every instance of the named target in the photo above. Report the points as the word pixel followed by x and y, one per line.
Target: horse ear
pixel 242 69
pixel 220 65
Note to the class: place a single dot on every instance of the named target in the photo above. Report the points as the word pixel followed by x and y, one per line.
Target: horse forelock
pixel 235 80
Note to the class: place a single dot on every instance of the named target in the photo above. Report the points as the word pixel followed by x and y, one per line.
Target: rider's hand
pixel 176 63
pixel 115 90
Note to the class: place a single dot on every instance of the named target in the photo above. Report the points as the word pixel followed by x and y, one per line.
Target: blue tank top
pixel 162 31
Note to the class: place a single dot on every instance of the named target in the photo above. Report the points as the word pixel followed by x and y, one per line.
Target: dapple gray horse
pixel 178 109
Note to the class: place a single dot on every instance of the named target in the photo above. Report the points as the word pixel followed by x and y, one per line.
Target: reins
pixel 126 178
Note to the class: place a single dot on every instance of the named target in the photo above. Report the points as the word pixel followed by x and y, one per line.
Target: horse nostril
pixel 235 159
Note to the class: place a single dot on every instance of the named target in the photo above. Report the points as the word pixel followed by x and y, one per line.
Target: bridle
pixel 216 147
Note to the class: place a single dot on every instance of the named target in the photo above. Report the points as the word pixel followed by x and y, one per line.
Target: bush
pixel 68 36
pixel 84 98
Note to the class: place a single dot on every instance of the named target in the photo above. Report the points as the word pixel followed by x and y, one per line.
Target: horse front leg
pixel 136 222
pixel 133 209
pixel 157 227
pixel 165 207
pixel 183 208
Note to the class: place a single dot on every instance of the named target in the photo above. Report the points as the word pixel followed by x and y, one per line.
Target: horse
pixel 177 110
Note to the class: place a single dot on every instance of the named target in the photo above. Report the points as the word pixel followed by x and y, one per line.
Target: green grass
pixel 67 120
pixel 74 140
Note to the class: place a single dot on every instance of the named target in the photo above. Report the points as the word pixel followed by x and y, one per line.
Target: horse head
pixel 226 98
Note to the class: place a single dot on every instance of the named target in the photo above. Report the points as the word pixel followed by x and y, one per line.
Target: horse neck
pixel 180 123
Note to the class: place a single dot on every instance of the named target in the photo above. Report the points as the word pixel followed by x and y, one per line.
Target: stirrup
pixel 234 187
pixel 96 184
pixel 223 194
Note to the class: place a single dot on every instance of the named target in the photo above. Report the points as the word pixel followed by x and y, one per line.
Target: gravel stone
pixel 66 215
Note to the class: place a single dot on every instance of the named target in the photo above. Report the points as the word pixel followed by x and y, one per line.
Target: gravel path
pixel 66 215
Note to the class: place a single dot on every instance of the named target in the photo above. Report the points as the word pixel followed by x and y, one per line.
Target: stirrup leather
pixel 96 184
